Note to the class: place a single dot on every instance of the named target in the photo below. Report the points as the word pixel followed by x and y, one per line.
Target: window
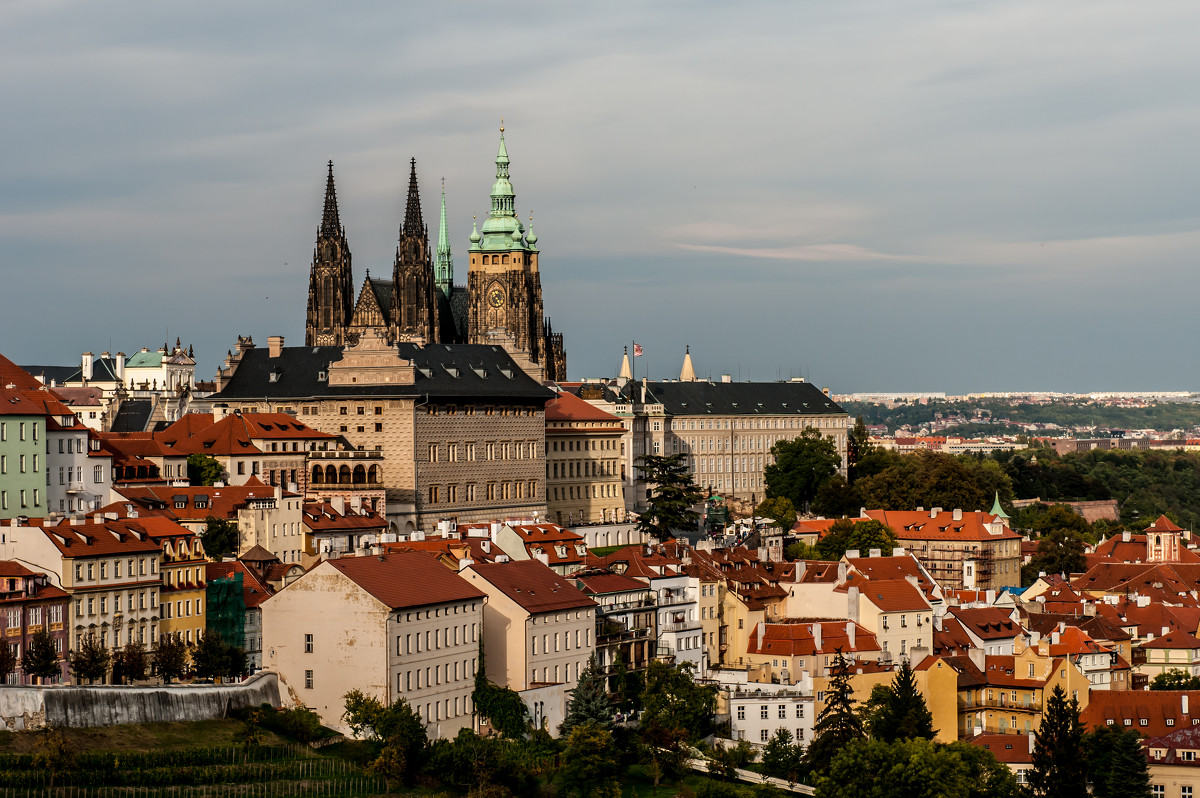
pixel 763 735
pixel 308 675
pixel 765 711
pixel 783 712
pixel 799 710
pixel 741 712
pixel 308 644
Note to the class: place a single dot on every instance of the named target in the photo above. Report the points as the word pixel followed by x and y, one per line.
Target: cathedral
pixel 500 305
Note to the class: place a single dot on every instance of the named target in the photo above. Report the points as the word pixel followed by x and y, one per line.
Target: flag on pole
pixel 637 349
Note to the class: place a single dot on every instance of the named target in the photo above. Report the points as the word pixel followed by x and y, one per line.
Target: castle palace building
pixel 501 305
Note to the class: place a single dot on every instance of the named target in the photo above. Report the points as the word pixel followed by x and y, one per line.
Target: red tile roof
pixel 406 579
pixel 597 584
pixel 919 525
pixel 795 637
pixel 533 586
pixel 96 540
pixel 15 569
pixel 889 595
pixel 1173 640
pixel 1011 749
pixel 988 623
pixel 1155 707
pixel 254 590
pixel 569 407
pixel 222 502
pixel 324 517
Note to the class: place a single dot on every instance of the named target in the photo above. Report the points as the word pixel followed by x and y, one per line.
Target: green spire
pixel 997 510
pixel 444 269
pixel 502 230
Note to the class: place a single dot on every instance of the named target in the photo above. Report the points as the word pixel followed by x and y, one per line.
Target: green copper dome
pixel 502 230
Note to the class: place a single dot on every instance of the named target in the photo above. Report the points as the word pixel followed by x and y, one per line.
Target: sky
pixel 903 195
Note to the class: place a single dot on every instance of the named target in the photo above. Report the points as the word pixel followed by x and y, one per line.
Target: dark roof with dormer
pixel 737 398
pixel 445 371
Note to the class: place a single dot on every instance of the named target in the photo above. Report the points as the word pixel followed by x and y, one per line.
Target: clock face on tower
pixel 495 297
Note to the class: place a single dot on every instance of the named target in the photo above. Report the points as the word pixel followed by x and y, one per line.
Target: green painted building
pixel 22 456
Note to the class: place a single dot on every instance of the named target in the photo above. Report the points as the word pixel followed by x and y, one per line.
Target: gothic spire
pixel 413 224
pixel 444 270
pixel 502 230
pixel 331 226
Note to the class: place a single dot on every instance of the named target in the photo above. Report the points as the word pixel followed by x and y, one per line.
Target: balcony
pixel 671 599
pixel 614 632
pixel 1013 706
pixel 343 454
pixel 619 606
pixel 678 626
pixel 75 487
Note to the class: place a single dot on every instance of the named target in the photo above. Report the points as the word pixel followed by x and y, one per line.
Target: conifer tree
pixel 1059 769
pixel 1117 764
pixel 838 725
pixel 589 701
pixel 904 715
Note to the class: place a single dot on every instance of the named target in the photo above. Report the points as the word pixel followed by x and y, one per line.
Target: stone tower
pixel 330 282
pixel 503 283
pixel 414 311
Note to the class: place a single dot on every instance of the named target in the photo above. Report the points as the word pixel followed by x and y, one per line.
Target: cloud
pixel 810 252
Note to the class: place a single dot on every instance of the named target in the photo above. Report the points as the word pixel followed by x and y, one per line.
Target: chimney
pixel 86 369
pixel 934 512
pixel 852 604
pixel 798 574
pixel 816 633
pixel 991 597
pixel 852 554
pixel 875 553
pixel 339 504
pixel 1126 536
pixel 898 552
pixel 464 563
pixel 1166 630
pixel 1183 699
pixel 850 627
pixel 957 515
pixel 274 345
pixel 726 378
pixel 1054 638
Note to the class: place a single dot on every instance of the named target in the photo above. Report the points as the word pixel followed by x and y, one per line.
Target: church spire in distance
pixel 413 223
pixel 444 268
pixel 331 226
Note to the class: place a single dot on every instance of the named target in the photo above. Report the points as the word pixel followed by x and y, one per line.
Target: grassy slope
pixel 141 737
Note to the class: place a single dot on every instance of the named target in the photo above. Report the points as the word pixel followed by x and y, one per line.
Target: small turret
pixel 687 373
pixel 626 372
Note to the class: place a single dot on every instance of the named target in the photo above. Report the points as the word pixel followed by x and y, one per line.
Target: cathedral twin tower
pixel 500 305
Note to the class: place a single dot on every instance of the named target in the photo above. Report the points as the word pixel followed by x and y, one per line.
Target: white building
pixel 393 626
pixel 756 712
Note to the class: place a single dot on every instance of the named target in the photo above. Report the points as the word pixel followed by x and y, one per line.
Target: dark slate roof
pixel 383 295
pixel 738 398
pixel 46 374
pixel 133 415
pixel 483 372
pixel 104 369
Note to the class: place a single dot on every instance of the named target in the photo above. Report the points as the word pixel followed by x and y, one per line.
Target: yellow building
pixel 1006 694
pixel 182 601
pixel 584 448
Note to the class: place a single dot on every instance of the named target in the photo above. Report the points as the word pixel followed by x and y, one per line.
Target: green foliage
pixel 8 661
pixel 780 509
pixel 90 661
pixel 801 551
pixel 837 725
pixel 504 709
pixel 1116 763
pixel 848 534
pixel 782 758
pixel 858 446
pixel 672 497
pixel 1175 680
pixel 391 764
pixel 589 701
pixel 934 479
pixel 53 753
pixel 672 700
pixel 169 657
pixel 491 765
pixel 801 466
pixel 903 714
pixel 220 537
pixel 915 768
pixel 400 735
pixel 1058 758
pixel 203 470
pixel 212 658
pixel 589 761
pixel 249 736
pixel 129 663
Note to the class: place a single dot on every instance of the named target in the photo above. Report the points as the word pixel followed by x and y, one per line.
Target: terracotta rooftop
pixel 406 579
pixel 569 407
pixel 1151 713
pixel 920 525
pixel 533 586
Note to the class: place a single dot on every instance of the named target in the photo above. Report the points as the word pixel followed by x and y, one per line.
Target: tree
pixel 1175 680
pixel 858 446
pixel 782 758
pixel 8 661
pixel 672 700
pixel 1058 758
pixel 837 724
pixel 220 537
pixel 169 657
pixel 1116 763
pixel 780 509
pixel 90 661
pixel 250 733
pixel 916 768
pixel 589 701
pixel 203 470
pixel 848 534
pixel 129 663
pixel 41 658
pixel 801 466
pixel 391 763
pixel 54 753
pixel 1060 550
pixel 210 656
pixel 397 729
pixel 590 761
pixel 904 714
pixel 672 497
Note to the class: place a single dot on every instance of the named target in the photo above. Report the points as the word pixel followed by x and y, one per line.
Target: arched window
pixel 504 259
pixel 373 474
pixel 360 475
pixel 344 475
pixel 331 477
pixel 318 475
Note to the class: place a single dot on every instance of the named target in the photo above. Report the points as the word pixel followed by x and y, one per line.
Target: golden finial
pixel 502 124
